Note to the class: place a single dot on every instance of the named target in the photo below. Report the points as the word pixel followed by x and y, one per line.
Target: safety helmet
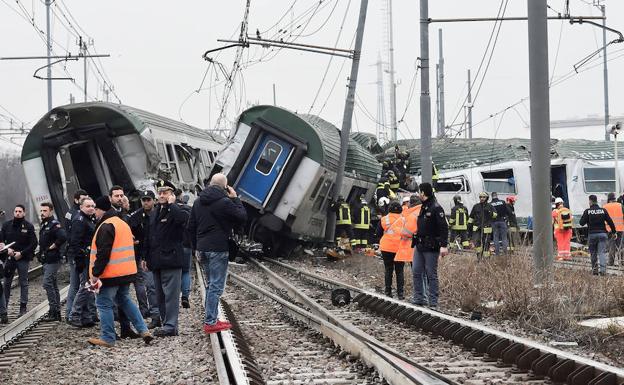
pixel 405 200
pixel 483 194
pixel 511 199
pixel 457 199
pixel 558 200
pixel 390 172
pixel 383 201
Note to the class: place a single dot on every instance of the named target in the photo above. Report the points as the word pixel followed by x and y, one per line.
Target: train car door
pixel 558 183
pixel 264 169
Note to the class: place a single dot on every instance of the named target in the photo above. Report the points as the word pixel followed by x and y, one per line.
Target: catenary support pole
pixel 441 82
pixel 347 117
pixel 469 106
pixel 49 47
pixel 540 137
pixel 274 97
pixel 605 73
pixel 393 114
pixel 425 97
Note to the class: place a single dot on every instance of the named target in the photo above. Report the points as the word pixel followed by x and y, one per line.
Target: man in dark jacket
pixel 181 201
pixel 430 242
pixel 111 270
pixel 74 278
pixel 595 218
pixel 22 232
pixel 51 238
pixel 499 225
pixel 165 257
pixel 213 216
pixel 480 225
pixel 82 312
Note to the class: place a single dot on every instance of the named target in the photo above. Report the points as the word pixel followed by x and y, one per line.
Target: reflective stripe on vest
pixel 615 212
pixel 344 214
pixel 459 222
pixel 122 261
pixel 392 225
pixel 364 219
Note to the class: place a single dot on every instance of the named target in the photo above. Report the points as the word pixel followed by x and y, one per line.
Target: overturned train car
pixel 283 166
pixel 92 146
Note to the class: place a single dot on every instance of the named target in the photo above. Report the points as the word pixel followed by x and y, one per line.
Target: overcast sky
pixel 156 60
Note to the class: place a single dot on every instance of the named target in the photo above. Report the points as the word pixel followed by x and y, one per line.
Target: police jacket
pixel 79 239
pixel 139 224
pixel 481 216
pixel 213 217
pixel 595 217
pixel 69 216
pixel 432 230
pixel 501 209
pixel 51 233
pixel 166 232
pixel 186 237
pixel 104 243
pixel 512 221
pixel 22 233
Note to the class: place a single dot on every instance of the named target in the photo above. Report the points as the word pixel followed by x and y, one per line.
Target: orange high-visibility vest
pixel 392 225
pixel 615 212
pixel 406 252
pixel 122 261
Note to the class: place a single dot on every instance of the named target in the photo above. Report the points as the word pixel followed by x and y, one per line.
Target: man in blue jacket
pixel 164 256
pixel 213 216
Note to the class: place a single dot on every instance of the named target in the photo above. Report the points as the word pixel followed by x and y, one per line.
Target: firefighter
pixel 480 225
pixel 562 221
pixel 459 223
pixel 512 224
pixel 343 221
pixel 361 222
pixel 382 189
pixel 616 212
pixel 434 176
pixel 394 181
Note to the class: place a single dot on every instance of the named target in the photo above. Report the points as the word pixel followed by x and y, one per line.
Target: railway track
pixel 460 351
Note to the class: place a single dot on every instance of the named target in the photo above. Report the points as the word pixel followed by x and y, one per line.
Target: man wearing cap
pixel 112 268
pixel 164 256
pixel 616 213
pixel 146 293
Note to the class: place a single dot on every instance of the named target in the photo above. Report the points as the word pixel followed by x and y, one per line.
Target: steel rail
pixel 228 363
pixel 579 265
pixel 395 370
pixel 524 353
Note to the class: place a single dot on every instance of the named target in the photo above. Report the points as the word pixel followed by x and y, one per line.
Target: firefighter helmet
pixel 457 199
pixel 511 199
pixel 483 194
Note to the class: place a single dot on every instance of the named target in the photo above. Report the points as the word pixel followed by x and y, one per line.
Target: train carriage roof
pixel 322 138
pixel 119 119
pixel 455 154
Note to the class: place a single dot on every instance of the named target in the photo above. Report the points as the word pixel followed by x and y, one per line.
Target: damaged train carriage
pixel 283 166
pixel 92 146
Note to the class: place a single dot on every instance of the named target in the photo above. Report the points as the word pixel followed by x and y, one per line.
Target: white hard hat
pixel 383 201
pixel 558 200
pixel 406 199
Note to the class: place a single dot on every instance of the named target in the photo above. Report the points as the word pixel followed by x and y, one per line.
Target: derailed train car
pixel 283 166
pixel 93 146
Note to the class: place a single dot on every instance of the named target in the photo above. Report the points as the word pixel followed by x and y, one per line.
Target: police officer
pixel 51 238
pixel 430 242
pixel 480 225
pixel 459 222
pixel 343 220
pixel 361 222
pixel 74 277
pixel 595 218
pixel 22 232
pixel 82 312
pixel 499 225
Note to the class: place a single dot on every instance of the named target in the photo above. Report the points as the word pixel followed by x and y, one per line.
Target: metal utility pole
pixel 83 52
pixel 425 98
pixel 382 134
pixel 469 106
pixel 49 46
pixel 441 86
pixel 540 137
pixel 347 116
pixel 274 98
pixel 605 73
pixel 437 106
pixel 393 115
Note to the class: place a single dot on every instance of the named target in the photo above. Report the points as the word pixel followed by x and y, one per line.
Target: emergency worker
pixel 394 182
pixel 22 232
pixel 380 190
pixel 361 222
pixel 499 224
pixel 562 222
pixel 434 176
pixel 343 220
pixel 410 225
pixel 595 218
pixel 513 230
pixel 480 225
pixel 616 212
pixel 51 238
pixel 459 223
pixel 391 225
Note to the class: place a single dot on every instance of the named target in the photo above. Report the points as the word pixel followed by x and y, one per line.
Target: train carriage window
pixel 184 160
pixel 500 181
pixel 320 198
pixel 599 179
pixel 267 159
pixel 211 155
pixel 316 188
pixel 161 151
pixel 328 198
pixel 454 184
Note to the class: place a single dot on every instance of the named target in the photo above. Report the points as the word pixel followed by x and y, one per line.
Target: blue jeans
pixel 74 283
pixel 425 270
pixel 50 271
pixel 167 283
pixel 186 272
pixel 597 249
pixel 500 236
pixel 215 265
pixel 22 272
pixel 152 298
pixel 105 301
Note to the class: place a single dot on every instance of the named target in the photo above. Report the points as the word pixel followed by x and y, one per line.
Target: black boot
pixel 4 318
pixel 154 324
pixel 129 334
pixel 22 309
pixel 53 316
pixel 185 303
